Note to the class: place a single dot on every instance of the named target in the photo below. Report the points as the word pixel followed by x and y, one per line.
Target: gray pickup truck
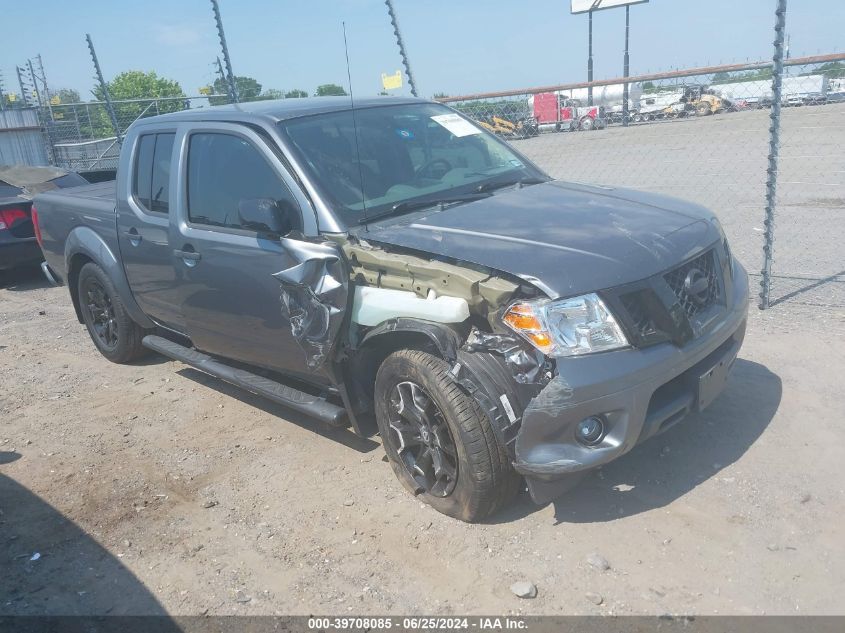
pixel 397 269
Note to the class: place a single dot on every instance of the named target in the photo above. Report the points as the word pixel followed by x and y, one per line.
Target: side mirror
pixel 268 216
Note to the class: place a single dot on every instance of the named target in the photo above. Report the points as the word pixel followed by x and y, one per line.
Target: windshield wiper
pixel 501 184
pixel 412 205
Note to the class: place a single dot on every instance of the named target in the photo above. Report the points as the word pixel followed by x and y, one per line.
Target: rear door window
pixel 151 182
pixel 160 199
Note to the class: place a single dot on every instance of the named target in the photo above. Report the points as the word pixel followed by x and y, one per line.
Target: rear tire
pixel 111 328
pixel 483 480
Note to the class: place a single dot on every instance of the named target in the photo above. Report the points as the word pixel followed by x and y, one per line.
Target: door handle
pixel 189 255
pixel 134 236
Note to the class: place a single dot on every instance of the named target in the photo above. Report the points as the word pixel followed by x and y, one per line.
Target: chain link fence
pixel 703 135
pixel 82 137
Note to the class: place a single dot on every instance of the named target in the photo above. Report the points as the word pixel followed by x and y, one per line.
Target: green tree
pixel 330 90
pixel 135 84
pixel 296 93
pixel 271 93
pixel 67 95
pixel 439 95
pixel 830 69
pixel 248 90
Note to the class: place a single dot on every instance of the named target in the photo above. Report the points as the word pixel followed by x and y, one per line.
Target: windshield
pixel 407 153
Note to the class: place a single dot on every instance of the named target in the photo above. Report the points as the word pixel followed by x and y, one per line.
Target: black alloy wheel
pixel 101 310
pixel 422 439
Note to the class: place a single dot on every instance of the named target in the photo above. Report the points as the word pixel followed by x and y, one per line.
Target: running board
pixel 270 389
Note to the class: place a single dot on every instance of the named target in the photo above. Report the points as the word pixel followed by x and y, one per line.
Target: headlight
pixel 568 327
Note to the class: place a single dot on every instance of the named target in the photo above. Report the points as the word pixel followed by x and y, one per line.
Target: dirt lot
pixel 151 488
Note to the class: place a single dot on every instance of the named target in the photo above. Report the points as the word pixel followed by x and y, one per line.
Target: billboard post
pixel 588 6
pixel 626 68
pixel 590 61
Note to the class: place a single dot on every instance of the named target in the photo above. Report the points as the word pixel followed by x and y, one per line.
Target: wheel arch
pixel 84 245
pixel 380 342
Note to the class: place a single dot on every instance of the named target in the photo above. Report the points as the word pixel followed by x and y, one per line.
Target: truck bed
pixel 65 211
pixel 99 191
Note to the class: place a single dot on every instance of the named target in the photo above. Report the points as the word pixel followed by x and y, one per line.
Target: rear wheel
pixel 703 109
pixel 111 328
pixel 439 442
pixel 587 124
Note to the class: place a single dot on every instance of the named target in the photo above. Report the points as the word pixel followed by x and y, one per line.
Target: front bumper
pixel 637 392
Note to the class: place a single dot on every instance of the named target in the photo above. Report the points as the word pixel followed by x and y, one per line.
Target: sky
pixel 455 46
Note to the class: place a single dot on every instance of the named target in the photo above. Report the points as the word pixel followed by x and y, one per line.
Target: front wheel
pixel 439 442
pixel 111 328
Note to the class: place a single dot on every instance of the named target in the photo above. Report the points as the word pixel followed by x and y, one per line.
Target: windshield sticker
pixel 516 163
pixel 403 133
pixel 456 124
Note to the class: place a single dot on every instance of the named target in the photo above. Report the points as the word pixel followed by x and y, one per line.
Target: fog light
pixel 590 431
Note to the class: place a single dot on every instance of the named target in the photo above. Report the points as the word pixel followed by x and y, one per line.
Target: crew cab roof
pixel 278 110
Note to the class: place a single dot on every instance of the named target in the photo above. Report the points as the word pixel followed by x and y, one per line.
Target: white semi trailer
pixel 792 88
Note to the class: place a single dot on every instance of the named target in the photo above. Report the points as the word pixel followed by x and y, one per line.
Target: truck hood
pixel 564 238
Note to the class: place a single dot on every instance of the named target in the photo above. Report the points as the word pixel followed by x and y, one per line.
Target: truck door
pixel 263 299
pixel 143 210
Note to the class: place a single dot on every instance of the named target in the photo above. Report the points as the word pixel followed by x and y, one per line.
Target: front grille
pixel 640 320
pixel 688 283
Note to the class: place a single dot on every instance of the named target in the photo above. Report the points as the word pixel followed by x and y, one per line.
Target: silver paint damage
pixel 555 396
pixel 314 296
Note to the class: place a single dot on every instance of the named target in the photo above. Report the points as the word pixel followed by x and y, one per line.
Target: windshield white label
pixel 456 124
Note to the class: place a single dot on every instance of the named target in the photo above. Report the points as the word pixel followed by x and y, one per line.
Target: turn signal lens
pixel 524 319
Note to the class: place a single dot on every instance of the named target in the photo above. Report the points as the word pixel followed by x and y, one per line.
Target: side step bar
pixel 277 392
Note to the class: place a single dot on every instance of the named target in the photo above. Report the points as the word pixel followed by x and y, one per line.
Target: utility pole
pixel 230 76
pixel 20 83
pixel 590 58
pixel 401 44
pixel 44 84
pixel 105 88
pixel 34 83
pixel 626 68
pixel 2 96
pixel 224 80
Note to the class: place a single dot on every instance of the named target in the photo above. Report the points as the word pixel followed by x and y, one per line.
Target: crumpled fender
pixel 314 297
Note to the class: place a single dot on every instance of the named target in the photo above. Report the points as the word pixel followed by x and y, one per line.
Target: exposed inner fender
pixel 490 379
pixel 444 338
pixel 314 297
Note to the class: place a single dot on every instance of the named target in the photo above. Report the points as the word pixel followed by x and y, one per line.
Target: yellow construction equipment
pixel 703 101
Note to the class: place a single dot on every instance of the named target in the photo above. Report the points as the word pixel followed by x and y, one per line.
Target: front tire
pixel 439 442
pixel 111 328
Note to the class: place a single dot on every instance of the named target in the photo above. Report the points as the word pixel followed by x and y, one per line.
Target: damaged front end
pixel 500 370
pixel 351 303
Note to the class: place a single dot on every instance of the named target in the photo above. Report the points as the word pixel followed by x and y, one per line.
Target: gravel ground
pixel 151 488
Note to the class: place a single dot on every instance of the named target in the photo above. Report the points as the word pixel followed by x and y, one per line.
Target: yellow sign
pixel 55 100
pixel 12 97
pixel 391 82
pixel 205 90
